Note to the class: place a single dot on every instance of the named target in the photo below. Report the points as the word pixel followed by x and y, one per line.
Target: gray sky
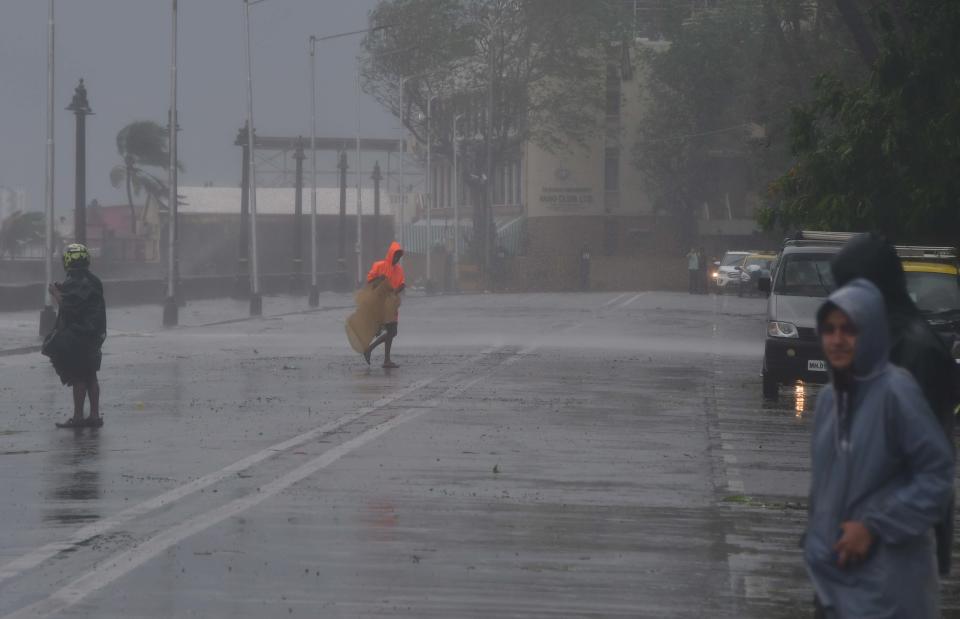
pixel 122 50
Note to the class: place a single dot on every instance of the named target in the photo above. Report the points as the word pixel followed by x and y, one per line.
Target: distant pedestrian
pixel 585 267
pixel 914 345
pixel 882 472
pixel 387 271
pixel 75 342
pixel 693 268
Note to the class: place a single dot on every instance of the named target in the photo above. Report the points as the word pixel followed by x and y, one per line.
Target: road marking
pixel 631 300
pixel 122 563
pixel 614 300
pixel 47 551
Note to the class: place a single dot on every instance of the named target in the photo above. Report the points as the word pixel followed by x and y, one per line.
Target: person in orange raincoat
pixel 390 272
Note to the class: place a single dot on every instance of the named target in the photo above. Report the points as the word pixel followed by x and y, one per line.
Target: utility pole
pixel 256 301
pixel 359 194
pixel 296 281
pixel 81 109
pixel 48 317
pixel 342 284
pixel 429 191
pixel 170 304
pixel 377 177
pixel 314 299
pixel 242 284
pixel 403 153
pixel 456 208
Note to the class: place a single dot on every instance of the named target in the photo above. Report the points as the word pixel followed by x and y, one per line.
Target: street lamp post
pixel 296 281
pixel 456 208
pixel 359 195
pixel 48 317
pixel 256 301
pixel 314 290
pixel 170 304
pixel 314 298
pixel 429 193
pixel 403 152
pixel 81 109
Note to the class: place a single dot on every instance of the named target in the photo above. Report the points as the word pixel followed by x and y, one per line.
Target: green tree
pixel 517 70
pixel 142 144
pixel 883 155
pixel 20 229
pixel 715 128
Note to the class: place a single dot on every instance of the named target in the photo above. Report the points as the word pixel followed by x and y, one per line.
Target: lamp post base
pixel 48 320
pixel 171 310
pixel 256 304
pixel 314 300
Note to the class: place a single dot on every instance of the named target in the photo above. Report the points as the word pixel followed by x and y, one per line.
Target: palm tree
pixel 142 143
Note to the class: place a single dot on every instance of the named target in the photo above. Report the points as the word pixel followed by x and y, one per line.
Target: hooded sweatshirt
pixel 878 457
pixel 914 345
pixel 392 273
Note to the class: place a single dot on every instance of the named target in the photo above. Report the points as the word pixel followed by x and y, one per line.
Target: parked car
pixel 801 278
pixel 752 269
pixel 726 273
pixel 935 288
pixel 800 283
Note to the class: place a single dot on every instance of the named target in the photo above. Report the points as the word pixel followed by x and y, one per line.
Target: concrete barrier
pixel 19 297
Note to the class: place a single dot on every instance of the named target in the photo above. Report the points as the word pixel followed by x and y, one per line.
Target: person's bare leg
pixel 79 396
pixel 93 391
pixel 387 345
pixel 376 342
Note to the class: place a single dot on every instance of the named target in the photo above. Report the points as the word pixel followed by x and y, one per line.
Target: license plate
pixel 815 365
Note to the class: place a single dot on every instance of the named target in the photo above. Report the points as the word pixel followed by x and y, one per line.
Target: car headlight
pixel 781 329
pixel 714 275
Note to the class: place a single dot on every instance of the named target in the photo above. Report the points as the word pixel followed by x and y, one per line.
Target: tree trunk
pixel 133 211
pixel 858 29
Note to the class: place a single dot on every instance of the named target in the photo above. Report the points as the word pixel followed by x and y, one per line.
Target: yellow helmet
pixel 76 255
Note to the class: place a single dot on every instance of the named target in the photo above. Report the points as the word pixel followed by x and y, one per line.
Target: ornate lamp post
pixel 81 109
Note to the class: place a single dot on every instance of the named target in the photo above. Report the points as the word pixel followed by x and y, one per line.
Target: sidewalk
pixel 18 330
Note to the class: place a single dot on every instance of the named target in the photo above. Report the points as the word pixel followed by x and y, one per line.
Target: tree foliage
pixel 715 127
pixel 883 155
pixel 20 230
pixel 535 65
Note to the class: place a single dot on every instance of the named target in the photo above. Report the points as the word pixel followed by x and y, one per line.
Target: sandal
pixel 390 366
pixel 73 422
pixel 93 422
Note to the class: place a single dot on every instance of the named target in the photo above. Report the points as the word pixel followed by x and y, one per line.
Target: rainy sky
pixel 122 50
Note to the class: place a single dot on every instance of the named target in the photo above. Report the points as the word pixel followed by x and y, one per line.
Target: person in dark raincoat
pixel 914 345
pixel 882 472
pixel 390 272
pixel 75 343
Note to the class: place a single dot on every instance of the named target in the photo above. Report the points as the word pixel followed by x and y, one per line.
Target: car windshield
pixel 805 275
pixel 934 293
pixel 731 260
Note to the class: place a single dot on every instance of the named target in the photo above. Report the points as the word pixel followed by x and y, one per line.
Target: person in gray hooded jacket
pixel 882 472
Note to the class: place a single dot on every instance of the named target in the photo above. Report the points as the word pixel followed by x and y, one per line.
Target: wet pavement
pixel 540 455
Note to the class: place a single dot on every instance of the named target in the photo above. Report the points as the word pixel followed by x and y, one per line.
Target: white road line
pixel 47 551
pixel 122 563
pixel 614 300
pixel 631 300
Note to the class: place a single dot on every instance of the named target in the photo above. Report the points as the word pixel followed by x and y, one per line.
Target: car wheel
pixel 771 389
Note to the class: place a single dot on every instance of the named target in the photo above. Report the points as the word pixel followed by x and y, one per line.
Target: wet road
pixel 542 455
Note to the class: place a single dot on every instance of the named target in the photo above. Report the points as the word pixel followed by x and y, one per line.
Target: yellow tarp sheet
pixel 376 305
